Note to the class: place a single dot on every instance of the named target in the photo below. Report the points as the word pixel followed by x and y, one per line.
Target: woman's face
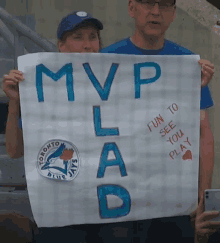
pixel 84 39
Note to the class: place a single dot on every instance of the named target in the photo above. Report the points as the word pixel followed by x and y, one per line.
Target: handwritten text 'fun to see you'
pixel 172 135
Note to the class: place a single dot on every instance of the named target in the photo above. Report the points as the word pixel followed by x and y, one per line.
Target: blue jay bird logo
pixel 62 162
pixel 59 153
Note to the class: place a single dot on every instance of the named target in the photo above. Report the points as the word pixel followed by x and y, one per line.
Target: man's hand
pixel 193 215
pixel 193 218
pixel 208 71
pixel 204 227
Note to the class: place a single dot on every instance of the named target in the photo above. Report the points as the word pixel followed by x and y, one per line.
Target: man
pixel 152 19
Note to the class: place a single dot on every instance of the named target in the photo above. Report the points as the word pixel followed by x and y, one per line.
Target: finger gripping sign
pixel 109 138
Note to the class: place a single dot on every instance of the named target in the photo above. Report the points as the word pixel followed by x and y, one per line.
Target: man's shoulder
pixel 125 46
pixel 120 46
pixel 177 49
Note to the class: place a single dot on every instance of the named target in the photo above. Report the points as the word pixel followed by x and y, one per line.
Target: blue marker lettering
pixel 103 92
pixel 139 81
pixel 99 131
pixel 67 69
pixel 104 162
pixel 104 211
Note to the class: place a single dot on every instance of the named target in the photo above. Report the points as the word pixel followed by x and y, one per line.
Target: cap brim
pixel 96 22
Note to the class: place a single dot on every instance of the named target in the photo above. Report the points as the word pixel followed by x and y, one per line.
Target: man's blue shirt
pixel 125 46
pixel 20 123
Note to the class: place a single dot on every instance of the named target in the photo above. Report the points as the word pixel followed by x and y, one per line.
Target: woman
pixel 77 32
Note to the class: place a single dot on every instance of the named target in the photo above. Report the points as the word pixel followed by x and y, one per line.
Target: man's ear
pixel 174 15
pixel 131 8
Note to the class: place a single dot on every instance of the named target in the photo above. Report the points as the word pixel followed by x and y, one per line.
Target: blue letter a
pixel 104 162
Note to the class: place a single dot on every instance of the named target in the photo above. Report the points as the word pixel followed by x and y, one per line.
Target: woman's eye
pixel 77 37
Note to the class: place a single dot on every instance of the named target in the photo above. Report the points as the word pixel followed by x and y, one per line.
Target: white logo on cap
pixel 81 14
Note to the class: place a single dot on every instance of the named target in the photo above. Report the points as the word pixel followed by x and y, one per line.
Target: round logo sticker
pixel 81 14
pixel 58 160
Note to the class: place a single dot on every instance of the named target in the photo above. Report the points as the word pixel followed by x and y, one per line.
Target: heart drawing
pixel 187 155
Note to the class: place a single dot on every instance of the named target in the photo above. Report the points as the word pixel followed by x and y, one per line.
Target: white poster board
pixel 110 138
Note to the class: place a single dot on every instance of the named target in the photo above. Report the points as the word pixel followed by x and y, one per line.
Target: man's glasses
pixel 162 4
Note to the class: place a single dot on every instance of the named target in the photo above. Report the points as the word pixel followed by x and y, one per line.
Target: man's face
pixel 152 20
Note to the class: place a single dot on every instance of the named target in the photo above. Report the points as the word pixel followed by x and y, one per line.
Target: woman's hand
pixel 10 84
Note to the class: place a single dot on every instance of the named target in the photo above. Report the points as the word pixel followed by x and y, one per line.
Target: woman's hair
pixel 69 33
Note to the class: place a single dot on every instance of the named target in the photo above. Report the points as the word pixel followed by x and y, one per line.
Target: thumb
pixel 201 62
pixel 193 214
pixel 204 81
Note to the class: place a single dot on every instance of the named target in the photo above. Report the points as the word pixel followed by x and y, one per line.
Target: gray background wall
pixel 192 29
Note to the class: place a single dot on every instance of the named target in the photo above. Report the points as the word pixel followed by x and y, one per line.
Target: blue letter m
pixel 67 69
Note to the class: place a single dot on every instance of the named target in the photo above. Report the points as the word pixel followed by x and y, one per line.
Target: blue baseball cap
pixel 72 20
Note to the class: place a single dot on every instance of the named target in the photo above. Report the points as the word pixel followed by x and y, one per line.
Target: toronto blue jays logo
pixel 59 160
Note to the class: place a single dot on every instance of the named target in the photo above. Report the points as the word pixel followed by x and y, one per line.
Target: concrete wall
pixel 193 28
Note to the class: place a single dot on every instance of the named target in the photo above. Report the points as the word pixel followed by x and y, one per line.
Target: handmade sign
pixel 110 138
